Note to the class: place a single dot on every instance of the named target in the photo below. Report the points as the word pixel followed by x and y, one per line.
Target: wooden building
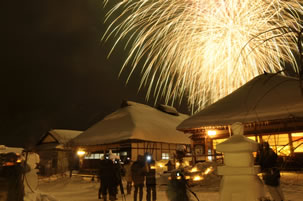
pixel 271 108
pixel 55 154
pixel 133 130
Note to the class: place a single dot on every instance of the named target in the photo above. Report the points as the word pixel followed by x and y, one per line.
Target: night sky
pixel 54 70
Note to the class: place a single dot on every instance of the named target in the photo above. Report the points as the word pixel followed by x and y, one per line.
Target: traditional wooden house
pixel 271 108
pixel 55 154
pixel 133 130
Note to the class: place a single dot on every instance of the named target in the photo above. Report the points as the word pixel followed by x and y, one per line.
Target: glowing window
pixel 297 139
pixel 165 156
pixel 94 156
pixel 279 143
pixel 218 141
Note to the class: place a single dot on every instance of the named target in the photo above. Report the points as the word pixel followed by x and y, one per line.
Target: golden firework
pixel 199 48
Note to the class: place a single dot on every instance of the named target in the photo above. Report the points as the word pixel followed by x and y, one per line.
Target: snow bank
pixel 79 189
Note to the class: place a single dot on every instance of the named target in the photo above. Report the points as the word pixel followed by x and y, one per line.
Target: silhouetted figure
pixel 267 159
pixel 128 176
pixel 177 187
pixel 138 170
pixel 170 166
pixel 118 178
pixel 151 193
pixel 107 178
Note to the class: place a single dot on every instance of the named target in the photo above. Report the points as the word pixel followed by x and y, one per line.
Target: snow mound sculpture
pixel 240 181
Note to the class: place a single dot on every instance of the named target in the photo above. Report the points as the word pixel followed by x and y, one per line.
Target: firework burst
pixel 204 49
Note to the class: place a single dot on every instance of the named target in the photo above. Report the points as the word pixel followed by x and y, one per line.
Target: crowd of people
pixel 136 174
pixel 142 171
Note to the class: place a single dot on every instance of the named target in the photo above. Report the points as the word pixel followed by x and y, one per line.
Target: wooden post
pixel 291 146
pixel 206 147
pixel 212 148
pixel 193 152
pixel 260 139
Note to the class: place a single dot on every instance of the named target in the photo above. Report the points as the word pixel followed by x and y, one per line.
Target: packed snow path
pixel 83 189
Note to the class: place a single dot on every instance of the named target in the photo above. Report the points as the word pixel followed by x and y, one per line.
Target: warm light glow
pixel 178 177
pixel 211 132
pixel 81 153
pixel 197 178
pixel 19 161
pixel 9 164
pixel 186 163
pixel 194 169
pixel 187 177
pixel 160 165
pixel 177 164
pixel 152 167
pixel 208 170
pixel 203 49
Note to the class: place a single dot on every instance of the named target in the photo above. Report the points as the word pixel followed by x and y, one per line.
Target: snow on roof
pixel 64 136
pixel 267 97
pixel 5 149
pixel 135 121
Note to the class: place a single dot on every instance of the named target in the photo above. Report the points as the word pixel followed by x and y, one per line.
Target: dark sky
pixel 54 70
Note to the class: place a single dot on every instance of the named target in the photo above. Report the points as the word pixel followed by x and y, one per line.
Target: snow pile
pixel 5 149
pixel 38 196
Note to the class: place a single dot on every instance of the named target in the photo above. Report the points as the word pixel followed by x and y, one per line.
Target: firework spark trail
pixel 195 47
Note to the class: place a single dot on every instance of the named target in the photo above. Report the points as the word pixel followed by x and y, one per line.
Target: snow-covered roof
pixel 60 136
pixel 267 97
pixel 135 121
pixel 5 149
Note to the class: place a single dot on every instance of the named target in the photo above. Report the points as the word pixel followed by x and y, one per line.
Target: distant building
pixel 55 154
pixel 133 130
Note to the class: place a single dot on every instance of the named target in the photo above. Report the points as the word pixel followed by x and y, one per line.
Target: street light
pixel 80 153
pixel 211 132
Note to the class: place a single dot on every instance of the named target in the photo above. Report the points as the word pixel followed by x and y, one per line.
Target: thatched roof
pixel 265 99
pixel 135 121
pixel 56 138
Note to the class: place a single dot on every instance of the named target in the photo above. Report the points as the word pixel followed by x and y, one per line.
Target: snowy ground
pixel 83 189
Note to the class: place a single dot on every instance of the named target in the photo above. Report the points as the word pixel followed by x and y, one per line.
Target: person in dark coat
pixel 267 159
pixel 128 176
pixel 151 179
pixel 138 170
pixel 177 189
pixel 118 178
pixel 107 181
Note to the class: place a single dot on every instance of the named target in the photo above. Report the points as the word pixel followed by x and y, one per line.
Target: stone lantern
pixel 240 181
